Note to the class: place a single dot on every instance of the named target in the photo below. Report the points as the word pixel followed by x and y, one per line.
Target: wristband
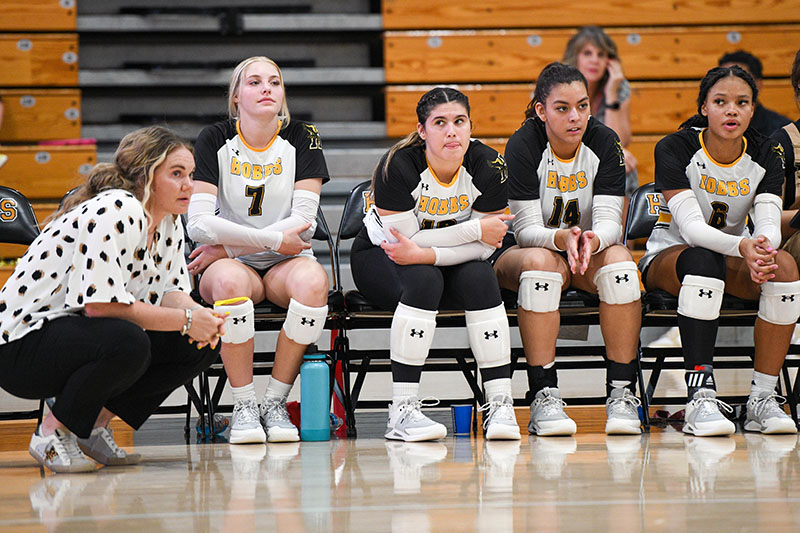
pixel 188 324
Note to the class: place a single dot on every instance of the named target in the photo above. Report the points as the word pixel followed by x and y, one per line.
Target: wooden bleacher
pixel 38 15
pixel 38 59
pixel 423 14
pixel 519 55
pixel 40 114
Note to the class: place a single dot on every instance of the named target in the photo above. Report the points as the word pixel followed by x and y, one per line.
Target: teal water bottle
pixel 315 421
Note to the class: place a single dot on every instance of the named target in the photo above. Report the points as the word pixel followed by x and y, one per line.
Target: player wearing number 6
pixel 263 175
pixel 566 190
pixel 439 199
pixel 712 173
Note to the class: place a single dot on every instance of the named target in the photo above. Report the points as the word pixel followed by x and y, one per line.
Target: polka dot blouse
pixel 95 253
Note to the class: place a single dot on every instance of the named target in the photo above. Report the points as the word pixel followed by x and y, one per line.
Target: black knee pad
pixel 700 262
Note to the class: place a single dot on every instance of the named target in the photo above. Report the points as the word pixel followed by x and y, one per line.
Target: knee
pixel 616 254
pixel 310 284
pixel 700 262
pixel 422 287
pixel 787 267
pixel 231 284
pixel 131 346
pixel 538 259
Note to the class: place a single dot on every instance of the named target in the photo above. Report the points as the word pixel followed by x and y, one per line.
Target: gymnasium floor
pixel 662 481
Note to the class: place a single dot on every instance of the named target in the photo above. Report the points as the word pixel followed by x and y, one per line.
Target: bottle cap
pixel 314 356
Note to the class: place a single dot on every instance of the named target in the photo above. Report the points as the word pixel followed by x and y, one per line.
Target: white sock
pixel 762 383
pixel 496 387
pixel 277 389
pixel 402 390
pixel 244 393
pixel 549 365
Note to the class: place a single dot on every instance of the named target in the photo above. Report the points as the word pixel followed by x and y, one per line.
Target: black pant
pixel 471 286
pixel 91 363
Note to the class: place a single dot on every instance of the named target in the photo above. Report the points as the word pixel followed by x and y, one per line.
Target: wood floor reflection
pixel 663 481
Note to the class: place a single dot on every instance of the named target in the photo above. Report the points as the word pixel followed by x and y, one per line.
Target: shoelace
pixel 707 405
pixel 275 411
pixel 108 438
pixel 69 445
pixel 769 403
pixel 626 402
pixel 414 407
pixel 552 405
pixel 502 408
pixel 246 412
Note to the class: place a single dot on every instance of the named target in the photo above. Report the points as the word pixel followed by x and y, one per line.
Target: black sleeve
pixel 393 192
pixel 772 159
pixel 523 155
pixel 781 137
pixel 489 175
pixel 210 140
pixel 671 157
pixel 310 162
pixel 610 177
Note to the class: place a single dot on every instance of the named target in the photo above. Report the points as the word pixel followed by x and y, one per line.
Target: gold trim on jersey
pixel 703 145
pixel 239 132
pixel 440 182
pixel 664 217
pixel 571 159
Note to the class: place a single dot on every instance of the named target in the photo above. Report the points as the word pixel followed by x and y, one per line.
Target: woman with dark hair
pixel 712 172
pixel 595 54
pixel 566 190
pixel 95 311
pixel 439 200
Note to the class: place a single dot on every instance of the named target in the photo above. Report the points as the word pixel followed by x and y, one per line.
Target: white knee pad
pixel 239 324
pixel 539 291
pixel 304 324
pixel 779 302
pixel 489 337
pixel 412 334
pixel 618 283
pixel 700 297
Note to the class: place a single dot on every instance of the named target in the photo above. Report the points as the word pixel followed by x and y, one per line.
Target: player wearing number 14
pixel 566 190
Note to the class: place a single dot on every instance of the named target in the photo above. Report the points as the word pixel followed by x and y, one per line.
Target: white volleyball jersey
pixel 565 188
pixel 255 187
pixel 411 185
pixel 725 192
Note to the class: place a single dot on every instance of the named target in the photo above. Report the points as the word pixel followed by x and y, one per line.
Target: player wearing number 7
pixel 566 190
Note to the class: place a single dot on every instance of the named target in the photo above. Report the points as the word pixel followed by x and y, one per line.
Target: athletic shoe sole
pixel 283 435
pixel 777 427
pixel 618 426
pixel 502 432
pixel 557 428
pixel 719 429
pixel 436 432
pixel 247 436
pixel 129 459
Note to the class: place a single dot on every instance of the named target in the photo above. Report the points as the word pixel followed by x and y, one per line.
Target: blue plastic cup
pixel 462 420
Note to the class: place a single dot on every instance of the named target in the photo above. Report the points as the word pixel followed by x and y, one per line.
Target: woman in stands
pixel 595 55
pixel 95 310
pixel 439 199
pixel 712 172
pixel 263 174
pixel 566 189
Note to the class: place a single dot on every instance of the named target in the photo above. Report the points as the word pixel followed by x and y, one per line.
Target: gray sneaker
pixel 275 420
pixel 765 414
pixel 547 415
pixel 59 452
pixel 245 425
pixel 500 422
pixel 622 413
pixel 406 422
pixel 703 416
pixel 101 447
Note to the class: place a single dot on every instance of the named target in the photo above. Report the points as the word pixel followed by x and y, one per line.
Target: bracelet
pixel 188 324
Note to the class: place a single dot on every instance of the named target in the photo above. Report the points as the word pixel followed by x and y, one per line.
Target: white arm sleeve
pixel 693 228
pixel 206 228
pixel 767 217
pixel 455 255
pixel 304 210
pixel 528 225
pixel 407 224
pixel 607 220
